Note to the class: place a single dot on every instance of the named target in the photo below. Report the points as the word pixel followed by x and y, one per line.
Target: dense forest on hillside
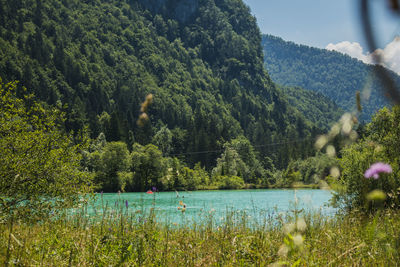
pixel 99 98
pixel 99 59
pixel 316 107
pixel 335 75
pixel 202 62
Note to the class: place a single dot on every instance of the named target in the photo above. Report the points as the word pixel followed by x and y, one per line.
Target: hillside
pixel 314 106
pixel 333 74
pixel 201 60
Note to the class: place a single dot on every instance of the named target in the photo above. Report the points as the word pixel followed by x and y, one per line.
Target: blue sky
pixel 318 22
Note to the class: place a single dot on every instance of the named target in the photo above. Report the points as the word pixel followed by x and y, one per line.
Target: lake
pixel 255 205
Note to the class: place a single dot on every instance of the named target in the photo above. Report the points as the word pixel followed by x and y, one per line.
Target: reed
pixel 123 236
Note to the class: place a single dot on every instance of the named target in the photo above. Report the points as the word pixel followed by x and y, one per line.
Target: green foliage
pixel 314 106
pixel 381 143
pixel 163 140
pixel 239 159
pixel 202 61
pixel 333 74
pixel 173 180
pixel 111 165
pixel 231 164
pixel 136 239
pixel 310 170
pixel 293 177
pixel 117 169
pixel 228 182
pixel 249 156
pixel 148 166
pixel 40 164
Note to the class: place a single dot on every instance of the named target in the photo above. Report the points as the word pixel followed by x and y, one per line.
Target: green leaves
pixel 380 144
pixel 333 74
pixel 97 60
pixel 40 168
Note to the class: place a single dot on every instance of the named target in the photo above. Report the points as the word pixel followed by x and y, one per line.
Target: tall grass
pixel 120 236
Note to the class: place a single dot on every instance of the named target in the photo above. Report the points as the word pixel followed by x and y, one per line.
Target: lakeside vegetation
pixel 366 233
pixel 134 239
pixel 98 60
pixel 212 118
pixel 49 155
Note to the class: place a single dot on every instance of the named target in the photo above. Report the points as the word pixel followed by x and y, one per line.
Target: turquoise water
pixel 256 205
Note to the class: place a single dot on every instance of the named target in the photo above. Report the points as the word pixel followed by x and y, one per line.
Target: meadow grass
pixel 121 237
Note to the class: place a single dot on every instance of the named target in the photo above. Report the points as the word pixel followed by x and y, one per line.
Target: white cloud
pixel 352 49
pixel 390 55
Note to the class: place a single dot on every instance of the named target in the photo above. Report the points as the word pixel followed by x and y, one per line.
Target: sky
pixel 333 25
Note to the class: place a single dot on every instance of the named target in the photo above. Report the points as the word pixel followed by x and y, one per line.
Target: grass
pixel 122 238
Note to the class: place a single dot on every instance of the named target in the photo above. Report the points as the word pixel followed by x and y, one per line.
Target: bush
pixel 40 164
pixel 229 182
pixel 380 144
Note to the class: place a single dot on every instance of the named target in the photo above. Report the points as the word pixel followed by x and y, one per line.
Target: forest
pixel 96 61
pixel 333 74
pixel 102 100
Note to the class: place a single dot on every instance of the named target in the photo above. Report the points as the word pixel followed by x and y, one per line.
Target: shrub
pixel 229 182
pixel 380 144
pixel 40 164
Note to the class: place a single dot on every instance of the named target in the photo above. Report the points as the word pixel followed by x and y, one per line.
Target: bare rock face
pixel 181 10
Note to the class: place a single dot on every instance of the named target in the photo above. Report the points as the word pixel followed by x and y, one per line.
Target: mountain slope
pixel 201 59
pixel 314 106
pixel 333 74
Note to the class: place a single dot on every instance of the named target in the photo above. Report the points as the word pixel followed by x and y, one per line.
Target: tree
pixel 148 166
pixel 40 165
pixel 246 152
pixel 113 162
pixel 230 164
pixel 380 144
pixel 204 69
pixel 163 140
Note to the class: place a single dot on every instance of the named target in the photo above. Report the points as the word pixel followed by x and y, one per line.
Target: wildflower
pixel 377 168
pixel 126 203
pixel 154 189
pixel 149 192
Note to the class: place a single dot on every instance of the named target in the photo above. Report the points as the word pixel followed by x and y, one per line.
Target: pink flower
pixel 377 168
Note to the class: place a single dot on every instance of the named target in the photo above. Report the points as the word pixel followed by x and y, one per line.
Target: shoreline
pixel 246 187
